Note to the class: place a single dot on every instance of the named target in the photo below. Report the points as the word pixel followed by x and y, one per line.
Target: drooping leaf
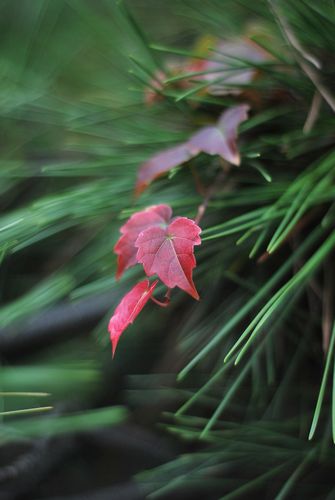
pixel 168 252
pixel 160 163
pixel 125 246
pixel 128 309
pixel 219 139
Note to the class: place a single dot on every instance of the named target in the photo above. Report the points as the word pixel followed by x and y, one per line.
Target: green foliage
pixel 74 131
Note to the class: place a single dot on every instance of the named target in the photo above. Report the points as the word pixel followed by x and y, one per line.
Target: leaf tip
pixel 113 335
pixel 140 186
pixel 193 292
pixel 113 349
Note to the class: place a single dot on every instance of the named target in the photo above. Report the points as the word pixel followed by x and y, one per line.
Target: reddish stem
pixel 167 299
pixel 210 192
pixel 198 183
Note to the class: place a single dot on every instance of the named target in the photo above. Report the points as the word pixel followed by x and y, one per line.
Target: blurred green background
pixel 167 418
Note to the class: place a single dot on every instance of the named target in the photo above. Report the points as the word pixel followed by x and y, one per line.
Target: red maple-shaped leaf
pixel 219 139
pixel 125 246
pixel 168 252
pixel 128 309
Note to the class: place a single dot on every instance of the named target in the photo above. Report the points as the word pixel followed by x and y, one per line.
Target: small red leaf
pixel 160 163
pixel 128 309
pixel 221 139
pixel 168 252
pixel 125 246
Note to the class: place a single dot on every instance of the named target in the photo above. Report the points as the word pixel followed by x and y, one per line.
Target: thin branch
pixel 313 76
pixel 313 113
pixel 327 304
pixel 210 193
pixel 166 301
pixel 302 56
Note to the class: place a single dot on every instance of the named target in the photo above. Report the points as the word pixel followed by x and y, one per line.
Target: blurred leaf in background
pixel 216 399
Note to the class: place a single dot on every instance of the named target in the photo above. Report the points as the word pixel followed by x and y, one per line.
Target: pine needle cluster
pixel 244 380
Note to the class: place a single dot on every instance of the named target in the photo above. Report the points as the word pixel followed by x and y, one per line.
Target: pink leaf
pixel 168 252
pixel 160 163
pixel 125 246
pixel 128 309
pixel 221 139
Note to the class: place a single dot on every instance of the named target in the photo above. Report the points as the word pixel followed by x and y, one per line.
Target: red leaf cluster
pixel 151 237
pixel 164 246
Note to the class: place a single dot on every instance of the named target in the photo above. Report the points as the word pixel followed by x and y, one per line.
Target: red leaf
pixel 221 139
pixel 168 252
pixel 128 309
pixel 125 246
pixel 160 163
